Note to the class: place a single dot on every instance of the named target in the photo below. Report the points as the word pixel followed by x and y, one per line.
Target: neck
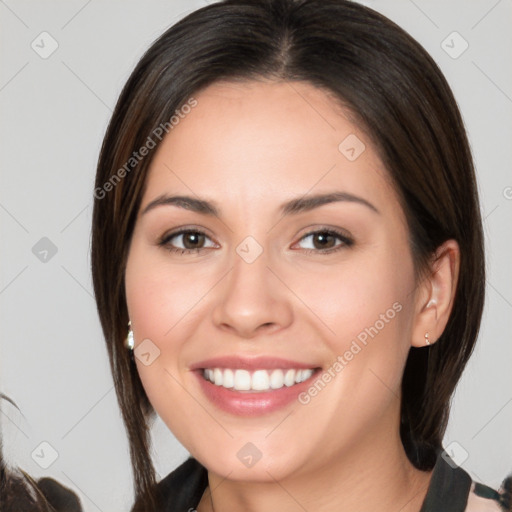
pixel 376 475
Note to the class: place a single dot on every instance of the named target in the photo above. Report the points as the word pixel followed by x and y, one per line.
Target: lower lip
pixel 244 403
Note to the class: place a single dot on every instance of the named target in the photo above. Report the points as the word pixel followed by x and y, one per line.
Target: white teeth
pixel 228 379
pixel 289 378
pixel 277 379
pixel 242 380
pixel 259 380
pixel 306 374
pixel 303 375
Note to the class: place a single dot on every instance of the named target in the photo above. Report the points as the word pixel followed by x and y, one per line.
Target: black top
pixel 449 489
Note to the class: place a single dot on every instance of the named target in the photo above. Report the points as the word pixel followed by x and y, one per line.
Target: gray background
pixel 54 112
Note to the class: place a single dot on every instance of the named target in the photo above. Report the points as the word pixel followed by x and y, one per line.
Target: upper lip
pixel 250 363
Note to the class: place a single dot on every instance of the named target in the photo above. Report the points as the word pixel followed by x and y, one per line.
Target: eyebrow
pixel 304 204
pixel 294 206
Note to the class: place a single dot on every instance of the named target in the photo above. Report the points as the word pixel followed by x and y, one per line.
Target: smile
pixel 258 380
pixel 244 392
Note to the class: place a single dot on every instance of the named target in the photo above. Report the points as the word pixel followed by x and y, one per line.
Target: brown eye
pixel 324 241
pixel 193 240
pixel 187 241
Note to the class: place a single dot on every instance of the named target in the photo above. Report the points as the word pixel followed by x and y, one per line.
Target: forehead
pixel 250 140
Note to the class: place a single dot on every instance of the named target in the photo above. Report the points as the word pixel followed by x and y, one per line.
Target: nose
pixel 252 300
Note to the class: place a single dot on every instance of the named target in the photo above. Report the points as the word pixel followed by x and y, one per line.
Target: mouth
pixel 251 393
pixel 262 380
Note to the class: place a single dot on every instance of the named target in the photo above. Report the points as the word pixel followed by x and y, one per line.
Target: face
pixel 269 240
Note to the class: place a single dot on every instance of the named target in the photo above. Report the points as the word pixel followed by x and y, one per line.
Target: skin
pixel 249 147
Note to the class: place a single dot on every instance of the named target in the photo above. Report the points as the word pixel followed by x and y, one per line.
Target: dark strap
pixel 449 487
pixel 183 489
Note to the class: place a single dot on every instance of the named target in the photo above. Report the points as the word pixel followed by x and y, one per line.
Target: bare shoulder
pixel 480 504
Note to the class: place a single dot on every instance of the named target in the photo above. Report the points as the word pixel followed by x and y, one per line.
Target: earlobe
pixel 436 297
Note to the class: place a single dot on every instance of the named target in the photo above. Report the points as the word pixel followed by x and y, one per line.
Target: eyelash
pixel 346 241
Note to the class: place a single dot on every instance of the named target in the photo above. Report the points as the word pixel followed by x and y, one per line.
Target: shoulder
pixel 479 504
pixel 483 498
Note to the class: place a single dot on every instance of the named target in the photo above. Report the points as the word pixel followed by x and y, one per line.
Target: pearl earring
pixel 130 342
pixel 427 341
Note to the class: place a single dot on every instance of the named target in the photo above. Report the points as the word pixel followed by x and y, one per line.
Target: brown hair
pixel 19 491
pixel 399 97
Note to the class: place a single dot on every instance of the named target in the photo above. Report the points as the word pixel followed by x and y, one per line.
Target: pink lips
pixel 243 403
pixel 251 363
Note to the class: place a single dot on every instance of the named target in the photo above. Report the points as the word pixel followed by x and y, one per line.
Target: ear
pixel 436 294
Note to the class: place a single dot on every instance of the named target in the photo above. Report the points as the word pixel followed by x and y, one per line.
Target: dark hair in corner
pixel 20 492
pixel 397 95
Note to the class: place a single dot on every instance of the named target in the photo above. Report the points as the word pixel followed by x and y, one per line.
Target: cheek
pixel 165 307
pixel 364 308
pixel 358 297
pixel 161 298
pixel 368 315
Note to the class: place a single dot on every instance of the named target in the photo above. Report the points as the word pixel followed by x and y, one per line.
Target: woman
pixel 286 225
